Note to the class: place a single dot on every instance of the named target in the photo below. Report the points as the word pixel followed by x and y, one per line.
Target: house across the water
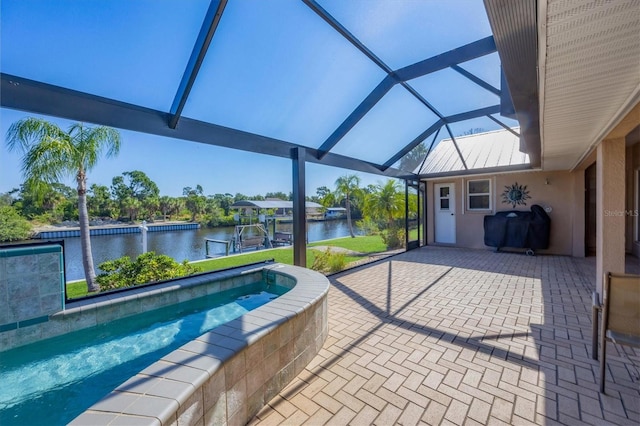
pixel 335 213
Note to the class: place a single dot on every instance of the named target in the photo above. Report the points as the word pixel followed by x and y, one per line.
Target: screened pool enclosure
pixel 363 85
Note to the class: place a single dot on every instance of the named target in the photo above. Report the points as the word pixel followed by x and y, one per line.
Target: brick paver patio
pixel 461 337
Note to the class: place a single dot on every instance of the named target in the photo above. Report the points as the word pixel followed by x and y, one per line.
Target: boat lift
pixel 250 236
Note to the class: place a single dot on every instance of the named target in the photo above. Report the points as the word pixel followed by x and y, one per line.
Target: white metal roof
pixel 489 150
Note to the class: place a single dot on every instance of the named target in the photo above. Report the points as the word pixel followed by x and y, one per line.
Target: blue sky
pixel 174 164
pixel 274 68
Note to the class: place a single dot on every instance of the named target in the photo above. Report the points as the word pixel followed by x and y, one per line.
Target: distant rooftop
pixel 272 204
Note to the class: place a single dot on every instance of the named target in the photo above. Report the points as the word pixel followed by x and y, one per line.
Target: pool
pixel 61 377
pixel 221 376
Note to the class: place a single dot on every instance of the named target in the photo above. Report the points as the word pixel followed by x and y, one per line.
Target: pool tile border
pixel 81 314
pixel 234 369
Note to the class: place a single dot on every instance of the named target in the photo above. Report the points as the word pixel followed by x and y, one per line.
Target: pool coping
pixel 227 374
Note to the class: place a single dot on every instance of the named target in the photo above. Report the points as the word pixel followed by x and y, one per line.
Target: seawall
pixel 113 230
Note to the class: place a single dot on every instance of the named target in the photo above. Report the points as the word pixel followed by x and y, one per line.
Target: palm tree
pixel 348 188
pixel 386 202
pixel 50 153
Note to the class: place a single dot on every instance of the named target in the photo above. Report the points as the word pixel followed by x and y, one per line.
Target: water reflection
pixel 179 245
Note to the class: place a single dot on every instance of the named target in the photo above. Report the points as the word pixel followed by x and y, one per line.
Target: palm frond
pixel 25 133
pixel 49 160
pixel 91 142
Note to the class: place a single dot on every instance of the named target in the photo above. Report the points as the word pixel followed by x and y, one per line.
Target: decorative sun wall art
pixel 515 194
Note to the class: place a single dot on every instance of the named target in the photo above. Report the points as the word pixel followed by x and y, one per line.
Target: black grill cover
pixel 518 229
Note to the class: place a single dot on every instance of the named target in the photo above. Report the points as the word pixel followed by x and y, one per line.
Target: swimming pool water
pixel 53 381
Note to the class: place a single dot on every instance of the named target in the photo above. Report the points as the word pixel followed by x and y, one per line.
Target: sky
pixel 175 164
pixel 274 68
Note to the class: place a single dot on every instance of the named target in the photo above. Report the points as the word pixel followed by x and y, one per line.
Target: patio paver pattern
pixel 461 337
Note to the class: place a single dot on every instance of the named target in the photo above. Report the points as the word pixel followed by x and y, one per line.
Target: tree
pixel 13 227
pixel 195 202
pixel 50 153
pixel 413 158
pixel 132 207
pixel 279 195
pixel 386 203
pixel 224 201
pixel 99 201
pixel 140 186
pixel 164 204
pixel 239 197
pixel 472 131
pixel 6 199
pixel 348 188
pixel 213 211
pixel 136 185
pixel 325 196
pixel 175 206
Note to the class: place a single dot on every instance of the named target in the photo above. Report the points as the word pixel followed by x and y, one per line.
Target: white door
pixel 445 213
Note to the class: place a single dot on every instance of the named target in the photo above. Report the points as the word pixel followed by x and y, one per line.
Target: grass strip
pixel 361 244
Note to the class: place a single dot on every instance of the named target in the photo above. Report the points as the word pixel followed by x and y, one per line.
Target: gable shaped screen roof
pixel 491 151
pixel 359 84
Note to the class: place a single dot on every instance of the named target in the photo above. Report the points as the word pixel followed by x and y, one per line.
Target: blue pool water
pixel 53 381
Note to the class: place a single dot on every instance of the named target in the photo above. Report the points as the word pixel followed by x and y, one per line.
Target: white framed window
pixel 479 194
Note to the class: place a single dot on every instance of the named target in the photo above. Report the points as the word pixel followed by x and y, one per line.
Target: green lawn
pixel 364 244
pixel 367 244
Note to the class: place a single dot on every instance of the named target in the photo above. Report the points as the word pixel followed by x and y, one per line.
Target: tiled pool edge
pixel 81 314
pixel 226 375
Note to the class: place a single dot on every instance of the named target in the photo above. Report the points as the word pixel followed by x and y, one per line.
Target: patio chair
pixel 620 322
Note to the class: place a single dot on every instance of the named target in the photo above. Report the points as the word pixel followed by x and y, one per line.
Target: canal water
pixel 179 245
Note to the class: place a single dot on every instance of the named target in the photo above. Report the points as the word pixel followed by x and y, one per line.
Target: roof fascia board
pixel 514 25
pixel 542 71
pixel 506 103
pixel 486 171
pixel 208 29
pixel 41 98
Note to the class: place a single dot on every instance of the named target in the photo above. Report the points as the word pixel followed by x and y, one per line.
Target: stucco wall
pixel 632 205
pixel 564 193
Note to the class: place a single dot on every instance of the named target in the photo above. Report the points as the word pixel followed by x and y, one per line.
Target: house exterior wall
pixel 563 191
pixel 632 233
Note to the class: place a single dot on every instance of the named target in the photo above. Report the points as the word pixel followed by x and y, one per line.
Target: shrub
pixel 393 237
pixel 13 227
pixel 328 261
pixel 46 218
pixel 368 226
pixel 148 267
